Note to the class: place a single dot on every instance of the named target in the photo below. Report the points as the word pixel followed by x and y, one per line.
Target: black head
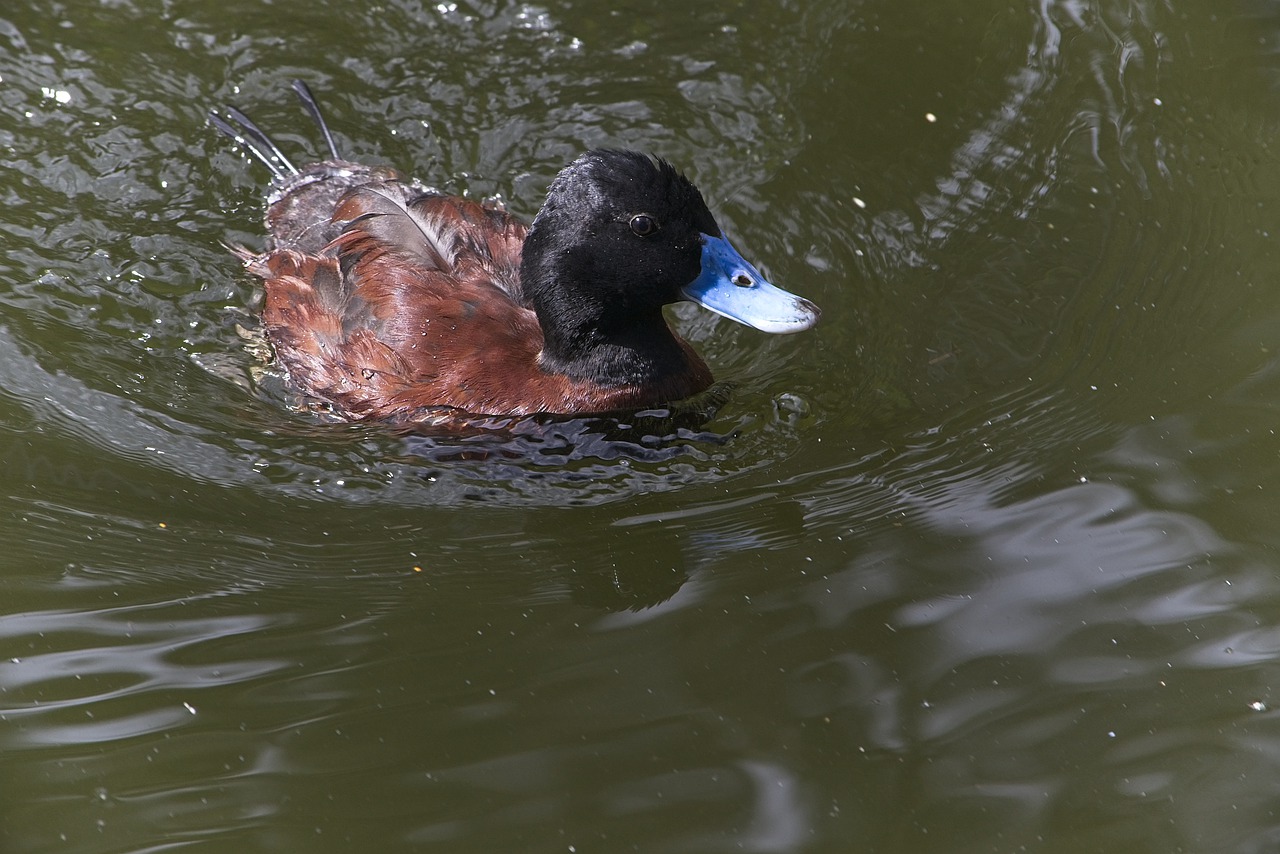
pixel 616 240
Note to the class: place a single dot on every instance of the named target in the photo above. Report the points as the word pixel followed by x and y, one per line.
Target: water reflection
pixel 64 673
pixel 1037 624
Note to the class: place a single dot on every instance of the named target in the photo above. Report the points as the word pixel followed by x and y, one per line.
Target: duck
pixel 387 300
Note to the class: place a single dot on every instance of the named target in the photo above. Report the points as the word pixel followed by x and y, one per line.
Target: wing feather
pixel 383 212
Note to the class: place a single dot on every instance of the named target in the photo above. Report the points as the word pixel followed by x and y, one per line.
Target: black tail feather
pixel 259 138
pixel 235 124
pixel 312 107
pixel 250 145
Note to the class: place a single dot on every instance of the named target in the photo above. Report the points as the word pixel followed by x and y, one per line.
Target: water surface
pixel 986 562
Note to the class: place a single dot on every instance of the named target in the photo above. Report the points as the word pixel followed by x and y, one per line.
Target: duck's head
pixel 620 236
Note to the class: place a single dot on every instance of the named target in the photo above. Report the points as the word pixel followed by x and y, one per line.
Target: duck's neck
pixel 638 351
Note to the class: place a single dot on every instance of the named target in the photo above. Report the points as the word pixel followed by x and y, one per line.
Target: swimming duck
pixel 387 300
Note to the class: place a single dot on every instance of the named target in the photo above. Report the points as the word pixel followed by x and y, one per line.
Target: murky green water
pixel 990 561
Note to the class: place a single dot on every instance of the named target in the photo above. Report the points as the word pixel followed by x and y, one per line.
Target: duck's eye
pixel 643 225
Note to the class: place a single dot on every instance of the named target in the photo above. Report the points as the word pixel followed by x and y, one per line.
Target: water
pixel 986 562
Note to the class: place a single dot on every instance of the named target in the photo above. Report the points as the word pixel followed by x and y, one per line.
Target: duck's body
pixel 389 301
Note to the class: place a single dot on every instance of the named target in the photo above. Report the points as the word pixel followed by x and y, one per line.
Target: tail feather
pixel 279 171
pixel 256 142
pixel 312 107
pixel 301 200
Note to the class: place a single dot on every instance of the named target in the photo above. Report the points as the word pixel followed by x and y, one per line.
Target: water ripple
pixel 64 667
